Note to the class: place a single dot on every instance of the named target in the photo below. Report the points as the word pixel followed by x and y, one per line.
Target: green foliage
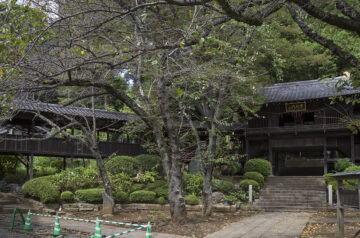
pixel 150 163
pixel 122 164
pixel 162 192
pixel 41 188
pixel 67 197
pixel 244 184
pixel 258 177
pixel 143 196
pixel 193 183
pixel 40 171
pixel 156 184
pixel 258 165
pixel 191 199
pixel 91 195
pixel 147 177
pixel 121 181
pixel 352 182
pixel 57 164
pixel 161 201
pixel 14 178
pixel 121 197
pixel 342 164
pixel 231 199
pixel 223 186
pixel 137 187
pixel 8 163
pixel 77 178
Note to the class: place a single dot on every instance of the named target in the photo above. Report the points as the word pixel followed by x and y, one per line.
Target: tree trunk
pixel 103 174
pixel 207 189
pixel 176 198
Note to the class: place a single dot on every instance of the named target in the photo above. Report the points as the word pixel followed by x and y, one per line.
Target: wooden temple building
pixel 301 130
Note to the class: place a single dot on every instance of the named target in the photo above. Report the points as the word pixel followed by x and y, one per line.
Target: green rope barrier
pixel 125 232
pixel 87 220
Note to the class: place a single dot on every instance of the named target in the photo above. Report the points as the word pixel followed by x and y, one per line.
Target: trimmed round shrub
pixel 57 164
pixel 191 199
pixel 156 184
pixel 67 197
pixel 91 195
pixel 258 177
pixel 121 197
pixel 149 163
pixel 41 188
pixel 162 192
pixel 258 165
pixel 143 196
pixel 137 187
pixel 161 201
pixel 244 184
pixel 223 186
pixel 342 164
pixel 122 164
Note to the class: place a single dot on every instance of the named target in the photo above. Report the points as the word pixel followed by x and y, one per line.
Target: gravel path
pixel 266 225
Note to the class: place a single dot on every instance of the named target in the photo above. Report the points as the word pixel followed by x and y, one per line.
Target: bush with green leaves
pixel 162 192
pixel 40 171
pixel 147 177
pixel 42 188
pixel 193 183
pixel 137 187
pixel 77 178
pixel 258 165
pixel 121 197
pixel 122 164
pixel 161 201
pixel 57 164
pixel 150 163
pixel 8 163
pixel 191 199
pixel 342 164
pixel 223 186
pixel 352 182
pixel 244 184
pixel 258 177
pixel 121 181
pixel 91 195
pixel 156 184
pixel 14 178
pixel 143 196
pixel 67 197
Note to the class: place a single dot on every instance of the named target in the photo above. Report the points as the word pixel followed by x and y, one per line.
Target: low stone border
pixel 143 206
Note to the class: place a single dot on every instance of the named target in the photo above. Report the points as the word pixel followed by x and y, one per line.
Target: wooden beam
pixel 325 155
pixel 352 139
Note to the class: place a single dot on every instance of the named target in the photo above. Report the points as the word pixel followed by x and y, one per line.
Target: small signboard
pixel 295 107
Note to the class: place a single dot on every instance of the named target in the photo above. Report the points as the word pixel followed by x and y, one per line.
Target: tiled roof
pixel 304 90
pixel 71 111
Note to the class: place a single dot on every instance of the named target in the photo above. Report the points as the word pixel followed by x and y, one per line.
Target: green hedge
pixel 143 196
pixel 91 195
pixel 41 188
pixel 121 197
pixel 137 187
pixel 149 163
pixel 258 177
pixel 161 201
pixel 193 183
pixel 258 165
pixel 342 164
pixel 223 186
pixel 57 164
pixel 122 164
pixel 191 199
pixel 162 192
pixel 244 184
pixel 156 184
pixel 67 197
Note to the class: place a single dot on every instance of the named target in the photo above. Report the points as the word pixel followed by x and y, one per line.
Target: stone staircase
pixel 291 193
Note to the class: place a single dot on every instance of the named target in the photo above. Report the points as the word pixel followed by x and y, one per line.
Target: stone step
pixel 310 199
pixel 290 203
pixel 287 208
pixel 291 192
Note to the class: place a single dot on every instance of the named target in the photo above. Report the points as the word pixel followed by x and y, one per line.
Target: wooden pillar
pixel 339 210
pixel 352 140
pixel 359 192
pixel 107 135
pixel 247 149
pixel 325 155
pixel 64 163
pixel 72 162
pixel 270 155
pixel 31 167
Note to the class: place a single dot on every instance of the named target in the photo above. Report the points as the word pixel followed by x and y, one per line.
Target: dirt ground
pixel 323 224
pixel 196 225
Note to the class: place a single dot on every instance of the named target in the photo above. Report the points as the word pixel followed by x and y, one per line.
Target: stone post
pixel 340 210
pixel 330 195
pixel 250 194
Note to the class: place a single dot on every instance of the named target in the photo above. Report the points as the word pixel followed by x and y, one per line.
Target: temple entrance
pixel 299 163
